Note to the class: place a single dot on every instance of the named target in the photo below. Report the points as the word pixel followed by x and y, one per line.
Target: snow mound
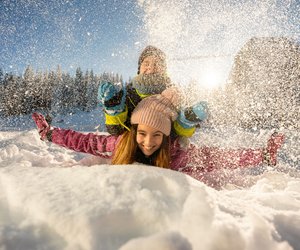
pixel 142 207
pixel 50 199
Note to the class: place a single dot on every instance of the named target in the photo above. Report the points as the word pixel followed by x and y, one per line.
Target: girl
pixel 149 142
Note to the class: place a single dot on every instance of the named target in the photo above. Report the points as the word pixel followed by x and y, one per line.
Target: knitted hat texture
pixel 152 51
pixel 151 84
pixel 157 111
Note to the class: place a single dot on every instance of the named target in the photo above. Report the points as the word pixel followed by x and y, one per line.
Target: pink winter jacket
pixel 104 145
pixel 192 161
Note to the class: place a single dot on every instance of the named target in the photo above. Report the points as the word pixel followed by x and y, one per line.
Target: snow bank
pixel 46 205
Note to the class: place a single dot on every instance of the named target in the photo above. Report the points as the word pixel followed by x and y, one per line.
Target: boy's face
pixel 151 65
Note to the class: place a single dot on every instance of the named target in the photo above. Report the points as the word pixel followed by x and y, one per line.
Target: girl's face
pixel 151 65
pixel 148 139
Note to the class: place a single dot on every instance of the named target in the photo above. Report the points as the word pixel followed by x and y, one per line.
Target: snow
pixel 200 36
pixel 54 198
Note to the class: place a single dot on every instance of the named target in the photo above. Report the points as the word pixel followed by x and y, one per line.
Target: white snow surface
pixel 54 198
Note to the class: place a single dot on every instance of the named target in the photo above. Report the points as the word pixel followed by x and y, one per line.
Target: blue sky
pixel 108 35
pixel 100 35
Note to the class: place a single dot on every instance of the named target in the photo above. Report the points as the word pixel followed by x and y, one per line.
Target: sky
pixel 98 35
pixel 52 198
pixel 200 38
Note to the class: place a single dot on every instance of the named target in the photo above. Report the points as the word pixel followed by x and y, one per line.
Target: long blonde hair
pixel 126 149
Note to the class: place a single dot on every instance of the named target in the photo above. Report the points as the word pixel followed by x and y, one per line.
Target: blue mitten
pixel 200 109
pixel 191 116
pixel 112 97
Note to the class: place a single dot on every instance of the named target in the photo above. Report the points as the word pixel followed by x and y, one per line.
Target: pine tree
pixel 67 92
pixel 46 91
pixel 84 93
pixel 1 76
pixel 37 91
pixel 12 100
pixel 94 90
pixel 56 103
pixel 78 88
pixel 27 87
pixel 54 92
pixel 2 89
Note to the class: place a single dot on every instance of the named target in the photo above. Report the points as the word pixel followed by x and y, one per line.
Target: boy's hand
pixel 192 116
pixel 112 98
pixel 197 113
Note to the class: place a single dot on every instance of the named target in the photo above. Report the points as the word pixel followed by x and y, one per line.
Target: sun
pixel 208 74
pixel 211 79
pixel 211 73
pixel 211 76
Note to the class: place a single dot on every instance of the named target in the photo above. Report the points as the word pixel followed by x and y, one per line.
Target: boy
pixel 151 79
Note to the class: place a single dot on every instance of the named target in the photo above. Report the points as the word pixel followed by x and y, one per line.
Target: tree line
pixel 53 91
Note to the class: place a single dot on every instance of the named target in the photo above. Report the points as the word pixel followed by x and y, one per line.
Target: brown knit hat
pixel 157 111
pixel 153 51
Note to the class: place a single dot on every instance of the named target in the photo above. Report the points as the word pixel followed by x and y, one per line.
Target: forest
pixel 51 91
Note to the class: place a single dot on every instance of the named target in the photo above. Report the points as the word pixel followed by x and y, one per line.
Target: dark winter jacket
pixel 117 124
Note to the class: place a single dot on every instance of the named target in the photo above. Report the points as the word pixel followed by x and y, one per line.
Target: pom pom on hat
pixel 157 111
pixel 174 95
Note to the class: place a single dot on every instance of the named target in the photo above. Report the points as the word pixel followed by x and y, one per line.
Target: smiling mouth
pixel 148 148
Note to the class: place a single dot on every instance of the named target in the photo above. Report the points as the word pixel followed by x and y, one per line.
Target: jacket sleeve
pixel 195 161
pixel 99 145
pixel 117 124
pixel 181 162
pixel 182 131
pixel 179 156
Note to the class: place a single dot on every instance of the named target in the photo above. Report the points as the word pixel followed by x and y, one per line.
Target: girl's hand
pixel 42 125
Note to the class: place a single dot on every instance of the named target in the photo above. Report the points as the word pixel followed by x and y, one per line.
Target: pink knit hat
pixel 157 111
